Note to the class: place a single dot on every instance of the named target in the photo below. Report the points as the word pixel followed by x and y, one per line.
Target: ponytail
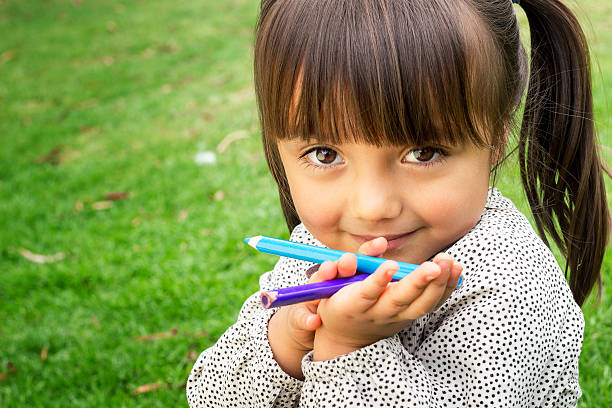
pixel 560 168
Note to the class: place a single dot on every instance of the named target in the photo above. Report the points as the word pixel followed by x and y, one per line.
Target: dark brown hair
pixel 417 72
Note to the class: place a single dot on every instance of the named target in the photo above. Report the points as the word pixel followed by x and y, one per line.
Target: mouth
pixel 394 241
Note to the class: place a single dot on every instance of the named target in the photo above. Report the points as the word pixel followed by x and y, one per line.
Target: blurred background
pixel 130 171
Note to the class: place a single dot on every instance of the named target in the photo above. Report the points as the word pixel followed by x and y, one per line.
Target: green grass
pixel 128 93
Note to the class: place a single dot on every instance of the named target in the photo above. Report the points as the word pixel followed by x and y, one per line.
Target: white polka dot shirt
pixel 510 335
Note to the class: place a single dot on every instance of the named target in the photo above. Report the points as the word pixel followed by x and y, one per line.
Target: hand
pixel 378 246
pixel 365 312
pixel 292 328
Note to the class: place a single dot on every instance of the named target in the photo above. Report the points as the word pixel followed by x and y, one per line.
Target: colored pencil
pixel 306 292
pixel 311 253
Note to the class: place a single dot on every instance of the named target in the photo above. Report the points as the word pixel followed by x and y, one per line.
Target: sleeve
pixel 240 370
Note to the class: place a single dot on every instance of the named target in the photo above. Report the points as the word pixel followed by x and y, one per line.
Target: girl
pixel 383 121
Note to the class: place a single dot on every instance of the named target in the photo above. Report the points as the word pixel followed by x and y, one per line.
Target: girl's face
pixel 421 200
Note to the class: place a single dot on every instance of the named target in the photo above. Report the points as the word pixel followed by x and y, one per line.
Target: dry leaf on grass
pixel 203 333
pixel 41 259
pixel 88 129
pixel 53 156
pixel 219 195
pixel 208 117
pixel 149 387
pixel 117 195
pixel 191 355
pixel 7 55
pixel 11 370
pixel 182 215
pixel 102 205
pixel 231 138
pixel 78 206
pixel 167 48
pixel 156 336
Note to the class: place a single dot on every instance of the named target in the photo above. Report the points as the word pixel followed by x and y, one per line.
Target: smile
pixel 394 241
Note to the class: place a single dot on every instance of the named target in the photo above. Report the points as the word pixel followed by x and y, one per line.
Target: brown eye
pixel 325 156
pixel 424 155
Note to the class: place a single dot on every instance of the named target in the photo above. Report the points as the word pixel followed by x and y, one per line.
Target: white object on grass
pixel 206 157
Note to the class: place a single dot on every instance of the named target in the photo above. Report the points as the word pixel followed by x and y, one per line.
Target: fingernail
pixel 442 256
pixel 346 257
pixel 380 239
pixel 446 264
pixel 434 273
pixel 392 264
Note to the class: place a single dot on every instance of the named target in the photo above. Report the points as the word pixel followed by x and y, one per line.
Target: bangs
pixel 416 73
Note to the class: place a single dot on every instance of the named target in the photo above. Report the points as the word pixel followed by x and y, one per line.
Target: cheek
pixel 318 207
pixel 453 215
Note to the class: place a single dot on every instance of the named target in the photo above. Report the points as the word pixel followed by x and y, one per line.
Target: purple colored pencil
pixel 309 291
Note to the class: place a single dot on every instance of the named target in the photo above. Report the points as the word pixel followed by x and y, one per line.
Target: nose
pixel 375 198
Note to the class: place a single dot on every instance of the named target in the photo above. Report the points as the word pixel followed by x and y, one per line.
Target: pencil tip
pixel 252 241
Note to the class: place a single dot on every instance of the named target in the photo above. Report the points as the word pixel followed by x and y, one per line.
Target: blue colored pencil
pixel 311 253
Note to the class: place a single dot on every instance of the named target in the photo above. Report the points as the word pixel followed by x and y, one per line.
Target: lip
pixel 394 241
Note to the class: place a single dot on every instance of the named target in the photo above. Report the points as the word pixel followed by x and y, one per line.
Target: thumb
pixel 306 318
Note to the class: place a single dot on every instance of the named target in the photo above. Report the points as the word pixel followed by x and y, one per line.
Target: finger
pixel 374 285
pixel 303 318
pixel 432 293
pixel 442 255
pixel 374 247
pixel 451 284
pixel 327 271
pixel 347 265
pixel 412 286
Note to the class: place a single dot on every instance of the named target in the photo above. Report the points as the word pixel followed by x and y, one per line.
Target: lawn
pixel 121 253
